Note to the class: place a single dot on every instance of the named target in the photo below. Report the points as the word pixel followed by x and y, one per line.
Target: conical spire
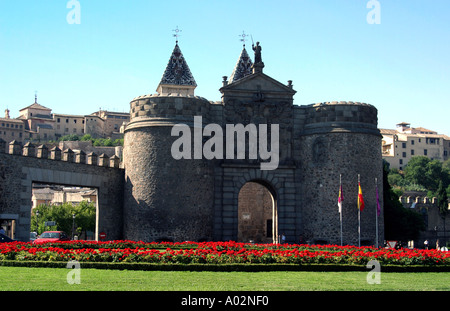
pixel 177 77
pixel 243 67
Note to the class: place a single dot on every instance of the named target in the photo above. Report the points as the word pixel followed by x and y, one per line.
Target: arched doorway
pixel 257 213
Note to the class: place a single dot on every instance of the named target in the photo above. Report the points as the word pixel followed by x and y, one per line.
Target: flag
pixel 378 204
pixel 360 198
pixel 340 198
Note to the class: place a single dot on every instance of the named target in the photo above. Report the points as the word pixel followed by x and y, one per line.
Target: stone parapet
pixel 56 154
pixel 338 117
pixel 166 110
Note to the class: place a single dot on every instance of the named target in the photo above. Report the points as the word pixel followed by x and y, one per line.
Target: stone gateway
pixel 154 195
pixel 198 198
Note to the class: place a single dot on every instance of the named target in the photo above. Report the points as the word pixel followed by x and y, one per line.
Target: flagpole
pixel 376 213
pixel 359 217
pixel 340 211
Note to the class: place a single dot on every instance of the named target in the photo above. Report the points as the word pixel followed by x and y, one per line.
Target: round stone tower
pixel 339 142
pixel 166 198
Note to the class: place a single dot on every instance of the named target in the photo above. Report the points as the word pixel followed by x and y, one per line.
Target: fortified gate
pixel 224 197
pixel 208 187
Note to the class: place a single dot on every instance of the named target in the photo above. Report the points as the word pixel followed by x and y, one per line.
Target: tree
pixel 62 215
pixel 400 224
pixel 442 202
pixel 415 170
pixel 423 173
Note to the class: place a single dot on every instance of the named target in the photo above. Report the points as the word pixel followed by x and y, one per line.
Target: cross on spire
pixel 176 35
pixel 243 35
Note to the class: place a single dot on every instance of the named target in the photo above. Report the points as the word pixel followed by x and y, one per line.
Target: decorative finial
pixel 243 37
pixel 35 97
pixel 176 35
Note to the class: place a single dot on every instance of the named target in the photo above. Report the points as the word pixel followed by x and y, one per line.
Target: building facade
pixel 405 142
pixel 11 129
pixel 38 123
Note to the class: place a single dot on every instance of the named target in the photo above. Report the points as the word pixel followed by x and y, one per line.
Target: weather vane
pixel 243 37
pixel 176 35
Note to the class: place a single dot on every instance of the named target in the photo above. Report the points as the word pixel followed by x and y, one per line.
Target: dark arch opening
pixel 257 213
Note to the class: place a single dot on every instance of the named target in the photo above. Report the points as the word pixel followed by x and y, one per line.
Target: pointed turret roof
pixel 177 73
pixel 243 67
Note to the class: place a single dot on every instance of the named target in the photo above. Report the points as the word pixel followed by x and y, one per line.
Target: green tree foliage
pixel 63 216
pixel 400 224
pixel 422 174
pixel 104 142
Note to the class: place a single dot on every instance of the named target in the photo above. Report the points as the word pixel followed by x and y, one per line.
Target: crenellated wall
pixel 23 166
pixel 435 229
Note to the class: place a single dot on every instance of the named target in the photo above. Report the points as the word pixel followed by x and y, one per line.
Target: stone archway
pixel 257 213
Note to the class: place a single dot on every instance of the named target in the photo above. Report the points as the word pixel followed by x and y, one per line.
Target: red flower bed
pixel 216 253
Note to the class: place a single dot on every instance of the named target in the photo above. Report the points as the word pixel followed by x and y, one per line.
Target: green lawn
pixel 53 279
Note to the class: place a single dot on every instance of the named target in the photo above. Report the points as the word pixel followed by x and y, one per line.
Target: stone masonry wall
pixel 328 149
pixel 24 166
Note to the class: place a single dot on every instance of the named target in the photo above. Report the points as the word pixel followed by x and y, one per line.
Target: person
pixel 283 238
pixel 425 244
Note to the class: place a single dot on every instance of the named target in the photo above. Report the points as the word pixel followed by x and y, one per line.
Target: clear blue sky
pixel 120 50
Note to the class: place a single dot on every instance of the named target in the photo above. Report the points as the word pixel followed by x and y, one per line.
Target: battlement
pixel 342 111
pixel 410 200
pixel 166 109
pixel 338 117
pixel 56 154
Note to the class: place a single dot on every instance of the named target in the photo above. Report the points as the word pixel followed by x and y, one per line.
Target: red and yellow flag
pixel 360 198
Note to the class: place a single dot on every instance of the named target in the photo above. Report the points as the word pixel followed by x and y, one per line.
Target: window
pixel 412 151
pixel 67 120
pixel 412 141
pixel 425 151
pixel 403 145
pixel 404 154
pixel 400 161
pixel 58 120
pixel 75 121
